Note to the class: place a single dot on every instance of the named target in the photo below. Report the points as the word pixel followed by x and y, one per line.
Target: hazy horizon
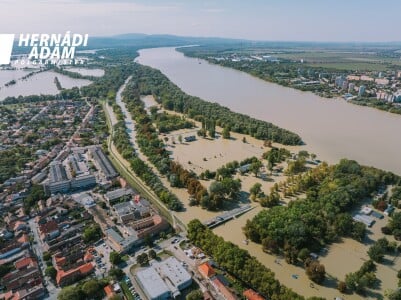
pixel 287 20
pixel 247 39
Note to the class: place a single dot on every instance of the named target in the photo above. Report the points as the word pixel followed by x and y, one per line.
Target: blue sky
pixel 283 20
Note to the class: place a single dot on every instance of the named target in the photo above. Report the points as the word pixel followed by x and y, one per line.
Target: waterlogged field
pixel 209 154
pixel 41 83
pixel 87 72
pixel 304 113
pixel 9 75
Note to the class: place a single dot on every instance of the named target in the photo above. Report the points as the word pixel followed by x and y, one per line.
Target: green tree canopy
pixel 93 289
pixel 71 293
pixel 51 272
pixel 195 295
pixel 115 258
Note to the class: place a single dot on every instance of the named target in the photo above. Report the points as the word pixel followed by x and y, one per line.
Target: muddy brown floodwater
pixel 332 128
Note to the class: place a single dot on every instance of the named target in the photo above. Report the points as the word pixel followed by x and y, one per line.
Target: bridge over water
pixel 226 216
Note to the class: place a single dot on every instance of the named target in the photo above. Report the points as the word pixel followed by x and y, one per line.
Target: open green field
pixel 352 66
pixel 347 60
pixel 331 56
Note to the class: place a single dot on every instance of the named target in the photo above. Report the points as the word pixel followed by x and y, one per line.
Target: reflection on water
pixel 8 75
pixel 333 129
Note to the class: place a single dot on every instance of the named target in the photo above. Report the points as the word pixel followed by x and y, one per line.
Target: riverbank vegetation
pixel 166 122
pixel 394 225
pixel 358 281
pixel 308 70
pixel 238 263
pixel 221 191
pixel 324 215
pixel 121 140
pixel 378 104
pixel 171 97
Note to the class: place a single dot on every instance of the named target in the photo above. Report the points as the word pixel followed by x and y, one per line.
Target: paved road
pixel 37 247
pixel 68 144
pixel 124 164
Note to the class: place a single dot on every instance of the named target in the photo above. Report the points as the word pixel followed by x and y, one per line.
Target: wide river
pixel 331 128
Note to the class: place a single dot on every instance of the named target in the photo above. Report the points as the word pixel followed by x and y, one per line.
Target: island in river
pixel 331 128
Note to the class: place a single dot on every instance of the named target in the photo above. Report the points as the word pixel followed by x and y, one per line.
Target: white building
pixel 83 181
pixel 117 194
pixel 152 284
pixel 164 280
pixel 177 276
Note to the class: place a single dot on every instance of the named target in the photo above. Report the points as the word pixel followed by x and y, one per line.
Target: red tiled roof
pixel 252 295
pixel 88 257
pixel 206 270
pixel 83 269
pixel 23 239
pixel 59 260
pixel 48 227
pixel 86 268
pixel 22 263
pixel 207 296
pixel 108 289
pixel 18 223
pixel 223 289
pixel 7 296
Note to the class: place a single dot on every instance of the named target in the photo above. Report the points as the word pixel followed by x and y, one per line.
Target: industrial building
pixel 57 172
pixel 103 163
pixel 126 211
pixel 118 194
pixel 164 280
pixel 77 163
pixel 120 244
pixel 131 211
pixel 152 284
pixel 59 181
pixel 84 181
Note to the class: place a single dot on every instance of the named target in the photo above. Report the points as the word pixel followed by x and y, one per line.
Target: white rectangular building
pixel 178 276
pixel 164 280
pixel 152 284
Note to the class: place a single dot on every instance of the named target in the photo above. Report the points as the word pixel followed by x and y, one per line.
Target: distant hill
pixel 156 40
pixel 141 40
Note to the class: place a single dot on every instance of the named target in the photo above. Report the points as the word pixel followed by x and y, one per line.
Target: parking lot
pixel 131 288
pixel 102 258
